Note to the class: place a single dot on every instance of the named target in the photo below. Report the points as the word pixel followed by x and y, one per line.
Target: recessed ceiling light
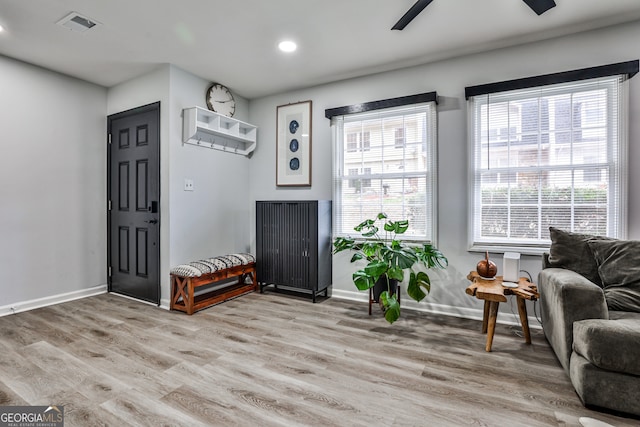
pixel 1 28
pixel 287 46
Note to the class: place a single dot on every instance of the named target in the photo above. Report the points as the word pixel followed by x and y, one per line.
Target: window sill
pixel 523 250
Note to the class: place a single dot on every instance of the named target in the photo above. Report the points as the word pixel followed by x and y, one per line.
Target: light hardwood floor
pixel 278 360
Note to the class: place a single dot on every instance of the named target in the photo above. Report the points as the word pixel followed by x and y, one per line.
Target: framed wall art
pixel 293 144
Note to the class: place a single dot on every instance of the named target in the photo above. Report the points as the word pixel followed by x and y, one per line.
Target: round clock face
pixel 220 100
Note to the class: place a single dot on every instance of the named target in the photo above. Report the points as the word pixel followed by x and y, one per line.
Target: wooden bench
pixel 185 278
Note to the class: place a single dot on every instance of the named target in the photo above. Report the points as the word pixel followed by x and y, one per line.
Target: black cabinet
pixel 293 245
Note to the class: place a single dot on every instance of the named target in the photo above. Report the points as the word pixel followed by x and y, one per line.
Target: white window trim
pixel 502 245
pixel 431 174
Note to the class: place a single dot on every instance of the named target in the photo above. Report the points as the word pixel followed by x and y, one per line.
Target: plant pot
pixel 381 286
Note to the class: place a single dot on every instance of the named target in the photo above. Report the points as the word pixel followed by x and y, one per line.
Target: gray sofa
pixel 590 305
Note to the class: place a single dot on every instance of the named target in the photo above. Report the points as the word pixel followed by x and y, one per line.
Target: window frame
pixel 517 89
pixel 398 106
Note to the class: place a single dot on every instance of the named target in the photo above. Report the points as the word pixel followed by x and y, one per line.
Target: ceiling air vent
pixel 76 22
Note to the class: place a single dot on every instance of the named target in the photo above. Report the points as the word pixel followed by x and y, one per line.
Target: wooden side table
pixel 493 293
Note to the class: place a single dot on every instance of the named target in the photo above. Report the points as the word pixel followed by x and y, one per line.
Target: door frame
pixel 155 106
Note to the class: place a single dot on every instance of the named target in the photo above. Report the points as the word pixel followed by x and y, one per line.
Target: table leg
pixel 485 317
pixel 524 320
pixel 493 315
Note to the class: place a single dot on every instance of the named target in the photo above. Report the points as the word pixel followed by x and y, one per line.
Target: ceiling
pixel 235 42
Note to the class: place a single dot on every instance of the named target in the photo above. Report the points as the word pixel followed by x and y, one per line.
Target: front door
pixel 133 192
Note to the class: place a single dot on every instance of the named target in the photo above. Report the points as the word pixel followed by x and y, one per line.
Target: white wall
pixel 52 186
pixel 214 219
pixel 449 79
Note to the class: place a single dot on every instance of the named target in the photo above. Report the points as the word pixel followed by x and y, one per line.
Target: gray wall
pixel 448 78
pixel 52 187
pixel 214 218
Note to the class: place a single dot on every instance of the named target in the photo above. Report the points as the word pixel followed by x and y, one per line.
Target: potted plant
pixel 387 260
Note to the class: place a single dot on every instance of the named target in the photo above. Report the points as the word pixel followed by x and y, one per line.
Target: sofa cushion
pixel 619 269
pixel 571 251
pixel 613 345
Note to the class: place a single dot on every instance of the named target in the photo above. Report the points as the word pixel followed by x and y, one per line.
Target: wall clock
pixel 220 100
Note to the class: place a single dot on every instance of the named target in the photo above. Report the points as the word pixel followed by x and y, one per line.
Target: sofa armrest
pixel 566 297
pixel 545 260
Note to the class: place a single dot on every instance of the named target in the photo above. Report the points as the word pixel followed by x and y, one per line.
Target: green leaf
pixel 376 269
pixel 362 280
pixel 391 306
pixel 364 224
pixel 395 273
pixel 356 257
pixel 416 283
pixel 431 257
pixel 372 232
pixel 370 249
pixel 342 243
pixel 382 215
pixel 401 257
pixel 401 226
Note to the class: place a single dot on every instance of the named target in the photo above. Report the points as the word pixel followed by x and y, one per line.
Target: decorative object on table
pixel 486 268
pixel 220 100
pixel 511 266
pixel 387 259
pixel 293 144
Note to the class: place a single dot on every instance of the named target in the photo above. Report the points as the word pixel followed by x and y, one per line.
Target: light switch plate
pixel 188 185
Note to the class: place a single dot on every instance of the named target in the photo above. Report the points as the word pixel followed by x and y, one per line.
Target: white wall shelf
pixel 208 129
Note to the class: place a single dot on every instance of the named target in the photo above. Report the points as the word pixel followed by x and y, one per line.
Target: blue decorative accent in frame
pixel 293 144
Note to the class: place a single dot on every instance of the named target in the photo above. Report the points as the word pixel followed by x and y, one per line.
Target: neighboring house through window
pixel 549 151
pixel 372 175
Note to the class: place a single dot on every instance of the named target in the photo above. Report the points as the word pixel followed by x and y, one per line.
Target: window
pixel 547 155
pixel 358 141
pixel 377 177
pixel 399 137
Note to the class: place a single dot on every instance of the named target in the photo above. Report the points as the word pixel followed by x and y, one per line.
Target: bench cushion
pixel 211 265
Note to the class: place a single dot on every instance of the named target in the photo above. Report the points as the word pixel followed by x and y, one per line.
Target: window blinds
pixel 548 156
pixel 385 161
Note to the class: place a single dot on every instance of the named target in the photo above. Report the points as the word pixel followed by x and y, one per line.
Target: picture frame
pixel 293 144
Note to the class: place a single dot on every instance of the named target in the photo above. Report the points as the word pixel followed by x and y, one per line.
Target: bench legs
pixel 183 296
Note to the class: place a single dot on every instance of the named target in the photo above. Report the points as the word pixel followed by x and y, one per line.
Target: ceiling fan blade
pixel 411 13
pixel 540 6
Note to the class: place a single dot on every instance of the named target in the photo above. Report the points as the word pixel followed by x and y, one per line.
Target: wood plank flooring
pixel 279 360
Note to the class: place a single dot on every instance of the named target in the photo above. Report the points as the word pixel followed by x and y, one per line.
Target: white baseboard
pixel 427 307
pixel 51 300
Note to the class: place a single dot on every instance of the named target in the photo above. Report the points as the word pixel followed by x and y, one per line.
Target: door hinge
pixel 109 271
pixel 109 139
pixel 108 205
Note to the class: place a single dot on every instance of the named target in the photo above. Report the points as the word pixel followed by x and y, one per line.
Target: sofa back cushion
pixel 571 251
pixel 619 269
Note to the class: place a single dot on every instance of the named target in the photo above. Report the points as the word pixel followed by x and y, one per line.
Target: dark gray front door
pixel 134 203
